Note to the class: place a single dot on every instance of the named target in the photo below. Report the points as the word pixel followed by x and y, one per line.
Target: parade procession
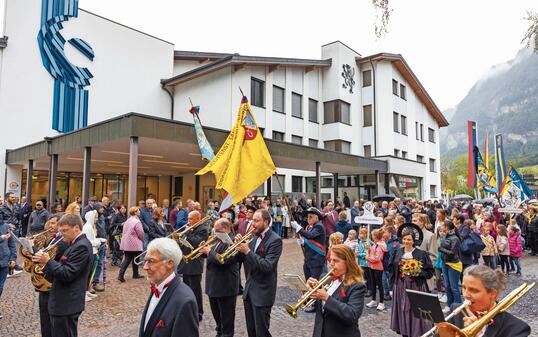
pixel 155 191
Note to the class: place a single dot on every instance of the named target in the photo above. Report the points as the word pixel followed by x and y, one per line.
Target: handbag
pixel 472 244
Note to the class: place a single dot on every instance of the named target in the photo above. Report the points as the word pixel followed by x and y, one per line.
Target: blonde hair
pixel 133 210
pixel 342 215
pixel 354 273
pixel 333 239
pixel 72 208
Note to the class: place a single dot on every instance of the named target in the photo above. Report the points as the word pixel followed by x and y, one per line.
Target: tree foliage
pixel 382 16
pixel 531 36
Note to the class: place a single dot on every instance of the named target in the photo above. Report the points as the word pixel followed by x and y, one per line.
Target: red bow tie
pixel 337 278
pixel 259 236
pixel 155 291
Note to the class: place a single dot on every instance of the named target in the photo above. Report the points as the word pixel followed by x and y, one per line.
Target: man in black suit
pixel 192 271
pixel 171 310
pixel 260 258
pixel 222 282
pixel 69 277
pixel 25 211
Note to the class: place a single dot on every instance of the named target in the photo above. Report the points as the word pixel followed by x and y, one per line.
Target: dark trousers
pixel 195 283
pixel 44 317
pixel 368 278
pixel 489 261
pixel 64 326
pixel 505 266
pixel 257 319
pixel 377 282
pixel 310 271
pixel 128 258
pixel 223 309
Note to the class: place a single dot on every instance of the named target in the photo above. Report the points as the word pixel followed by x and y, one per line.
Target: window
pixel 396 153
pixel 367 151
pixel 432 165
pixel 296 105
pixel 421 132
pixel 278 99
pixel 420 158
pixel 404 154
pixel 431 135
pixel 256 92
pixel 433 191
pixel 278 183
pixel 402 92
pixel 261 131
pixel 367 115
pixel 297 139
pixel 367 78
pixel 296 184
pixel 312 110
pixel 417 132
pixel 336 112
pixel 278 136
pixel 312 142
pixel 395 87
pixel 338 146
pixel 404 125
pixel 395 121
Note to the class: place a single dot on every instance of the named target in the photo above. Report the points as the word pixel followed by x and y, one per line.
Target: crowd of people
pixel 424 246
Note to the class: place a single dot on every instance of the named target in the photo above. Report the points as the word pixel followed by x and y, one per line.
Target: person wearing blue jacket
pixel 8 254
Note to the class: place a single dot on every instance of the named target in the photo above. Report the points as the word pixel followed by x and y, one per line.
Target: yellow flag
pixel 243 162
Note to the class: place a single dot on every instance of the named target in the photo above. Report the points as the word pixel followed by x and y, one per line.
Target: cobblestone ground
pixel 117 311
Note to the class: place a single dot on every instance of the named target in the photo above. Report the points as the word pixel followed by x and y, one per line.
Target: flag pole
pixel 241 91
pixel 190 100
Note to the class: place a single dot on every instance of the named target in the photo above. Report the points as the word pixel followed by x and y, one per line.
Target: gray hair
pixel 492 279
pixel 168 249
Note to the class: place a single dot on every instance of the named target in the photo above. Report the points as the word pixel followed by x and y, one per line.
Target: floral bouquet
pixel 411 267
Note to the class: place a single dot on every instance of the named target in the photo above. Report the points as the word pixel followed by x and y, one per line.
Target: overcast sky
pixel 449 44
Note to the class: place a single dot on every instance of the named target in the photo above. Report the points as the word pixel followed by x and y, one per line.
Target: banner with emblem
pixel 243 162
pixel 514 190
pixel 485 178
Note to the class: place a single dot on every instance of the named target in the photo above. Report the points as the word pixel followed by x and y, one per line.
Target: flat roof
pixel 404 68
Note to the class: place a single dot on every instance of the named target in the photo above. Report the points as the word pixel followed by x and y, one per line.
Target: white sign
pixel 368 216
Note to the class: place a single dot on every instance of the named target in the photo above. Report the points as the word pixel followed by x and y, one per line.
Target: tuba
pixel 305 301
pixel 445 329
pixel 39 281
pixel 39 241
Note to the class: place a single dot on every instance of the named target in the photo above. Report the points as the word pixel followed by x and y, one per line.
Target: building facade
pixel 367 120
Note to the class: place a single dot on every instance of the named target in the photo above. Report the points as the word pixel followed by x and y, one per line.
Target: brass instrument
pixel 39 241
pixel 44 233
pixel 196 253
pixel 306 301
pixel 452 314
pixel 445 329
pixel 37 277
pixel 177 235
pixel 231 249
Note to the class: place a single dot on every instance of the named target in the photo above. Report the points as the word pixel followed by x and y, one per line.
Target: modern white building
pixel 93 107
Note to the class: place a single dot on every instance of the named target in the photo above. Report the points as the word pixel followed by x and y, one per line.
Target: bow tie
pixel 337 278
pixel 259 236
pixel 155 291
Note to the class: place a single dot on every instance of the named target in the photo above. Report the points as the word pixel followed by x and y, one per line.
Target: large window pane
pixel 278 99
pixel 297 139
pixel 367 78
pixel 338 146
pixel 404 125
pixel 367 115
pixel 312 142
pixel 336 111
pixel 278 136
pixel 395 121
pixel 297 184
pixel 277 184
pixel 312 110
pixel 296 105
pixel 257 92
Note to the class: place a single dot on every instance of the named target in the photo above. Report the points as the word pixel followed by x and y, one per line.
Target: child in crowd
pixel 438 267
pixel 343 226
pixel 393 244
pixel 516 248
pixel 375 263
pixel 352 241
pixel 489 253
pixel 362 251
pixel 503 248
pixel 335 238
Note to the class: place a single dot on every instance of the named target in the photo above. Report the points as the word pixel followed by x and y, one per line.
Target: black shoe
pixel 138 276
pixel 121 279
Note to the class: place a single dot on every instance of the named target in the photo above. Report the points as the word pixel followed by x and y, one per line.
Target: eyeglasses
pixel 38 205
pixel 151 262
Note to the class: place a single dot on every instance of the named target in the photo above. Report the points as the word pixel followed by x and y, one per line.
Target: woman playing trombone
pixel 340 305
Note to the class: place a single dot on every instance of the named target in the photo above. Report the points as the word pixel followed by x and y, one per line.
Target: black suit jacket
pixel 504 325
pixel 156 231
pixel 316 233
pixel 340 315
pixel 261 270
pixel 194 267
pixel 70 278
pixel 176 314
pixel 221 279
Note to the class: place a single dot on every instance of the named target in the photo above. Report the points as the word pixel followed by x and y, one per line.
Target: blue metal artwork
pixel 70 104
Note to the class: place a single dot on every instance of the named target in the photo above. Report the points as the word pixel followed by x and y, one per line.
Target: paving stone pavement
pixel 117 311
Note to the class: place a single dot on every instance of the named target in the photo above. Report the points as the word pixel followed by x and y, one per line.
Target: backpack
pixel 472 244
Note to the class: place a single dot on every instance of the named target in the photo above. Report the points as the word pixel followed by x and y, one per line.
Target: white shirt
pixel 154 300
pixel 408 255
pixel 332 288
pixel 259 240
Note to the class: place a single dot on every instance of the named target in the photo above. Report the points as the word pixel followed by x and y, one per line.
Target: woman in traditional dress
pixel 403 321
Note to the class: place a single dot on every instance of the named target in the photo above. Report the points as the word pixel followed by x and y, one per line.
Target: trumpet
pixel 177 235
pixel 306 301
pixel 231 250
pixel 196 253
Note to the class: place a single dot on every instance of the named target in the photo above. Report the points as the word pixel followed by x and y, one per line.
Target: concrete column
pixel 53 175
pixel 359 186
pixel 197 188
pixel 387 184
pixel 269 188
pixel 29 180
pixel 133 171
pixel 376 182
pixel 318 184
pixel 335 187
pixel 86 171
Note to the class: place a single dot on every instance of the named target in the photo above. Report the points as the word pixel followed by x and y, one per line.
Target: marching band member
pixel 222 282
pixel 242 227
pixel 481 286
pixel 192 271
pixel 69 277
pixel 339 307
pixel 260 258
pixel 171 309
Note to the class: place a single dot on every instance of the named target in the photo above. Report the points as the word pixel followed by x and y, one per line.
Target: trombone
pixel 452 314
pixel 196 253
pixel 177 235
pixel 231 250
pixel 306 301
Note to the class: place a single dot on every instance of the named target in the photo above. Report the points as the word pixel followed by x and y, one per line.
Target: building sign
pixel 70 104
pixel 13 187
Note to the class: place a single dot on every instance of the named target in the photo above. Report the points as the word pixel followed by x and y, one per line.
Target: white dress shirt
pixel 259 240
pixel 332 288
pixel 154 300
